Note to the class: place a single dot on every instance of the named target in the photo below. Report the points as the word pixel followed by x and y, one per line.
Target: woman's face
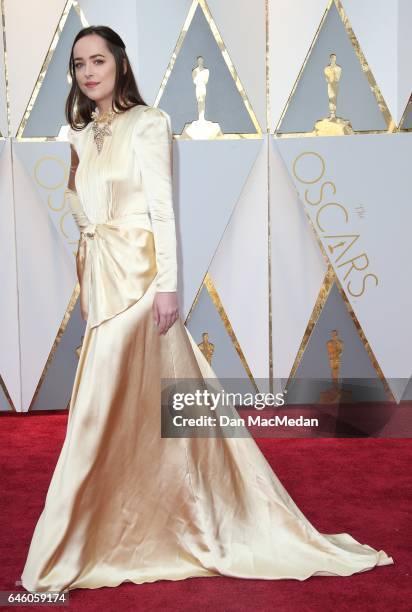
pixel 95 68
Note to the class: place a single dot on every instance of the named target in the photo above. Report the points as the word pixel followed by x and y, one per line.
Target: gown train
pixel 125 504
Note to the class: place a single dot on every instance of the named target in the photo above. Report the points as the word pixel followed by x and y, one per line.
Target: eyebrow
pixel 95 55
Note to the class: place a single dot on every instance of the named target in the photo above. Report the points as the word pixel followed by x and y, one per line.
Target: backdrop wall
pixel 292 218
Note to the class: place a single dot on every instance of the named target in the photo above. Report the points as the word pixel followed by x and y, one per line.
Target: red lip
pixel 91 84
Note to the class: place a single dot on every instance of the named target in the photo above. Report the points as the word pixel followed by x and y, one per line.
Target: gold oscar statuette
pixel 333 125
pixel 207 347
pixel 335 393
pixel 201 128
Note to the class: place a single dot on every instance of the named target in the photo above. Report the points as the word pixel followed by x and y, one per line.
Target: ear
pixel 124 66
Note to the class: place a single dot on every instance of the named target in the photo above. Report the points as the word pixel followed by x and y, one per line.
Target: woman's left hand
pixel 165 309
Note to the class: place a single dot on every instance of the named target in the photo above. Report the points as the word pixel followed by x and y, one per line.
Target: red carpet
pixel 362 487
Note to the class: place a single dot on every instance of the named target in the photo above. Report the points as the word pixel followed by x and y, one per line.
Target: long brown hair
pixel 79 107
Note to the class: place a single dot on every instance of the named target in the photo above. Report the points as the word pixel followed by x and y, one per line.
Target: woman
pixel 124 503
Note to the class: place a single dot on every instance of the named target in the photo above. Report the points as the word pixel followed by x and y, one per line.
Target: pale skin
pixel 94 62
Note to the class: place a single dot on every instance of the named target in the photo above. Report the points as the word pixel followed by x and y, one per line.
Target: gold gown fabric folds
pixel 115 264
pixel 125 504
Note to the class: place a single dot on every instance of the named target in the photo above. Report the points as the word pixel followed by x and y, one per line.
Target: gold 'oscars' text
pixel 343 246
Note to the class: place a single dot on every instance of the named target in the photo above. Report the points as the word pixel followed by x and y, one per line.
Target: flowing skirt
pixel 125 504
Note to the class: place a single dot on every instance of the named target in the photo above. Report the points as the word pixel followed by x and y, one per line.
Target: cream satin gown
pixel 125 504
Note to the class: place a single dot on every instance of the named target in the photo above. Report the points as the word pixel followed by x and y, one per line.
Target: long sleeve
pixel 153 145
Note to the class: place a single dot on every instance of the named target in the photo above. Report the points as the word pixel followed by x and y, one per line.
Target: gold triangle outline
pixel 225 55
pixel 40 78
pixel 209 285
pixel 60 333
pixel 383 107
pixel 320 302
pixel 405 114
pixel 7 395
pixel 330 278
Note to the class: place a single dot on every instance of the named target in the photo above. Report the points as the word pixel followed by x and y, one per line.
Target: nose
pixel 89 70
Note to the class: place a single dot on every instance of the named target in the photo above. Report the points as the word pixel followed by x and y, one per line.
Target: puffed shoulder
pixel 152 121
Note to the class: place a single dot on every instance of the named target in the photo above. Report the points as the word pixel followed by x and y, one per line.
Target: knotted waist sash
pixel 115 261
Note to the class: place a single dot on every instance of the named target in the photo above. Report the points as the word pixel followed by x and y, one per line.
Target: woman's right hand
pixel 165 310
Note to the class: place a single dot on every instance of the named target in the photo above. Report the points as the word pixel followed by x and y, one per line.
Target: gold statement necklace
pixel 101 126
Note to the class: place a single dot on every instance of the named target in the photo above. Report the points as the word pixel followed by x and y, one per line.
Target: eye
pixel 99 61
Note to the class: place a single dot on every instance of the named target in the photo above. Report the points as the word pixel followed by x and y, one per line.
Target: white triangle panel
pixel 375 24
pixel 152 59
pixel 240 269
pixel 46 279
pixel 29 21
pixel 298 267
pixel 208 179
pixel 292 27
pixel 237 20
pixel 47 164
